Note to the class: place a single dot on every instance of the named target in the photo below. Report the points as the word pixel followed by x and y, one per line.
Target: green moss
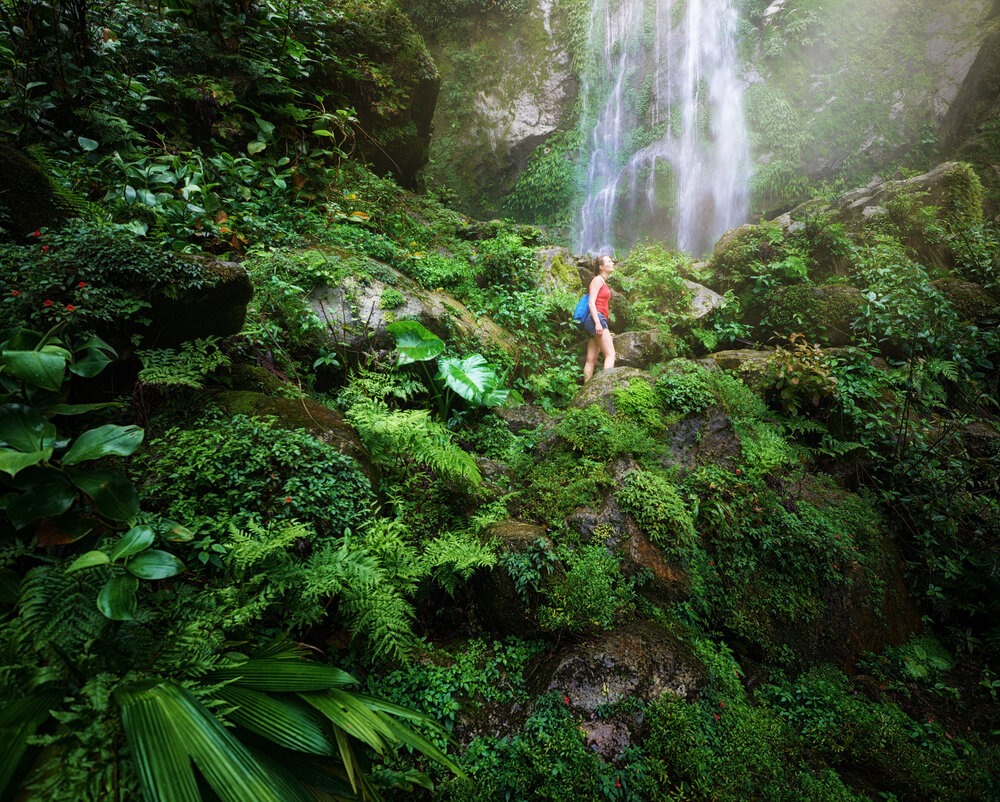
pixel 654 502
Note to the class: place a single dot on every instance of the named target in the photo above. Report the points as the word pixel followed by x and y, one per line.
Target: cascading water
pixel 666 149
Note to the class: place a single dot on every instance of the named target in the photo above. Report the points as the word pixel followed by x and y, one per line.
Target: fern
pixel 371 605
pixel 453 557
pixel 394 438
pixel 58 610
pixel 71 203
pixel 184 368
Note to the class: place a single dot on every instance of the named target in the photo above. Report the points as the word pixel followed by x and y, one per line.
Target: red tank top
pixel 603 297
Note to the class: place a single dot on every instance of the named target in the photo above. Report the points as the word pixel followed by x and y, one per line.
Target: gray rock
pixel 600 389
pixel 354 316
pixel 703 300
pixel 639 660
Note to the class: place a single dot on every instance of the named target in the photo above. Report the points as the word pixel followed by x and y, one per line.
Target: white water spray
pixel 666 148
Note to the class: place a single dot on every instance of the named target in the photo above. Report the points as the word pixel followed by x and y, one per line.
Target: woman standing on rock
pixel 596 323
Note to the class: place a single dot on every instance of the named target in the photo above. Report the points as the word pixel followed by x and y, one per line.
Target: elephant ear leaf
pixel 472 378
pixel 413 342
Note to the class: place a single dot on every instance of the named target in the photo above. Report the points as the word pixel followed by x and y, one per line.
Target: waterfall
pixel 665 145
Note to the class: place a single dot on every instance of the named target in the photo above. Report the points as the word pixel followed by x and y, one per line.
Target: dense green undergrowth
pixel 303 484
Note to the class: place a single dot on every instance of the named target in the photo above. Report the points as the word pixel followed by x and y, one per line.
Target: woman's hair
pixel 597 261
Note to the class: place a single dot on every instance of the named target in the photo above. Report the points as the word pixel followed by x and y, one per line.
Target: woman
pixel 596 323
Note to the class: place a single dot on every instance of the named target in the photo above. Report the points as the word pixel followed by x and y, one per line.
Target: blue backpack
pixel 582 309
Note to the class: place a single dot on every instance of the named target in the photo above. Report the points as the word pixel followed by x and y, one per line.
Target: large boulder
pixel 29 199
pixel 823 313
pixel 357 311
pixel 639 661
pixel 325 424
pixel 601 388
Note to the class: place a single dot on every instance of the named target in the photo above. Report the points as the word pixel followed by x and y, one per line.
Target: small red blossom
pixel 722 705
pixel 565 699
pixel 835 565
pixel 288 499
pixel 82 284
pixel 47 302
pixel 618 782
pixel 45 248
pixel 739 471
pixel 716 716
pixel 15 292
pixel 70 308
pixel 711 562
pixel 37 234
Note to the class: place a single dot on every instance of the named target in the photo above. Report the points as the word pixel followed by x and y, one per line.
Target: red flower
pixel 37 234
pixel 618 783
pixel 835 565
pixel 722 704
pixel 565 699
pixel 15 292
pixel 45 248
pixel 288 499
pixel 70 308
pixel 739 471
pixel 82 284
pixel 48 302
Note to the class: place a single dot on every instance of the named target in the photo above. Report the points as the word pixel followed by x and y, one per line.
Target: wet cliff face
pixel 507 87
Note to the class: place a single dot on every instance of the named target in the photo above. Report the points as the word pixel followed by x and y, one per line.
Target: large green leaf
pixel 88 560
pixel 102 442
pixel 154 564
pixel 472 378
pixel 13 461
pixel 413 342
pixel 116 598
pixel 35 367
pixel 132 542
pixel 114 496
pixel 25 429
pixel 19 718
pixel 167 727
pixel 47 494
pixel 344 710
pixel 285 721
pixel 90 365
pixel 283 675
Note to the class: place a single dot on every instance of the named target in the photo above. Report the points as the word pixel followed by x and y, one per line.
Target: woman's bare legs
pixel 593 349
pixel 595 345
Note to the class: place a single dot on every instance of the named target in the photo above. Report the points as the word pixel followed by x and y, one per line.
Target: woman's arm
pixel 595 286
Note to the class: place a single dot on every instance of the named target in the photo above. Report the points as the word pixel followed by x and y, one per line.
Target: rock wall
pixel 507 85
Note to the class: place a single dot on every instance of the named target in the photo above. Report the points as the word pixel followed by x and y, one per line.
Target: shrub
pixel 229 473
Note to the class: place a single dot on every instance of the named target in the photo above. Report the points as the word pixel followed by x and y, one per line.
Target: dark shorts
pixel 588 323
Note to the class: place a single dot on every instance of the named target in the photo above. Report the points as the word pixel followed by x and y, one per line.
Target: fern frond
pixel 186 367
pixel 454 556
pixel 59 609
pixel 391 436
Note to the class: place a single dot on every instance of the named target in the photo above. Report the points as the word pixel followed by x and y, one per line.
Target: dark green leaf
pixel 113 495
pixel 25 429
pixel 104 441
pixel 133 541
pixel 287 722
pixel 37 368
pixel 279 674
pixel 154 564
pixel 13 461
pixel 117 598
pixel 47 495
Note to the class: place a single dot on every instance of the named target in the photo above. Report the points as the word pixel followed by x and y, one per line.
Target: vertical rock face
pixel 507 87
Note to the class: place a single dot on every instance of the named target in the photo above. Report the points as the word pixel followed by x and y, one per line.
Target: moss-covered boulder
pixel 357 311
pixel 557 270
pixel 750 365
pixel 500 606
pixel 28 198
pixel 600 390
pixel 971 301
pixel 325 424
pixel 704 438
pixel 822 313
pixel 640 661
